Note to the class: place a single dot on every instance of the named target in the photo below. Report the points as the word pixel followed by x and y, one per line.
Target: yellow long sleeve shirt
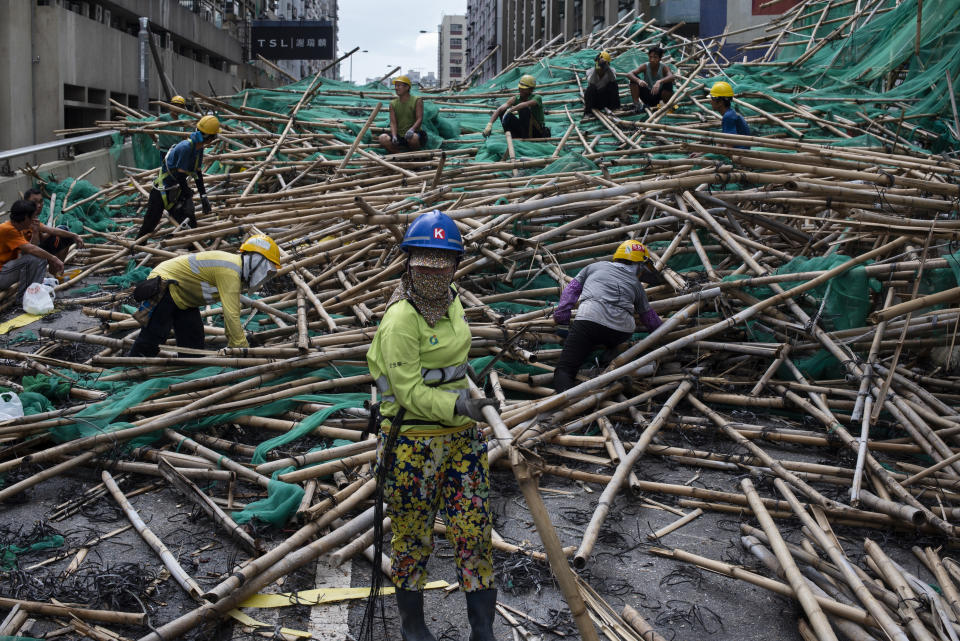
pixel 205 278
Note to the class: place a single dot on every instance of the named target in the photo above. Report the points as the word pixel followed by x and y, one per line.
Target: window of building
pixel 455 72
pixel 456 43
pixel 456 29
pixel 456 59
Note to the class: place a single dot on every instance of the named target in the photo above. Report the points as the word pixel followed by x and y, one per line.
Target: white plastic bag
pixel 38 299
pixel 10 406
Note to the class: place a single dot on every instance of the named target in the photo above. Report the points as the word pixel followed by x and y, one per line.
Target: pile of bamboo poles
pixel 721 220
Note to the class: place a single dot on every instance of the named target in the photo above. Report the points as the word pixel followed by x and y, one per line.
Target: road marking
pixel 329 622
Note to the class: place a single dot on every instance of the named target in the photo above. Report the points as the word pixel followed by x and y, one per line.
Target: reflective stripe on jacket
pixel 203 279
pixel 422 368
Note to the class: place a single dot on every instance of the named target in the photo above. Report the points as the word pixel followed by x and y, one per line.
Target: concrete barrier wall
pixel 106 170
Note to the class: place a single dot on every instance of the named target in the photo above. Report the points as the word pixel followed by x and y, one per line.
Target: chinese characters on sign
pixel 292 40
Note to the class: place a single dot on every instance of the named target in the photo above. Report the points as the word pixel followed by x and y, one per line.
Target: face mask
pixel 256 271
pixel 432 285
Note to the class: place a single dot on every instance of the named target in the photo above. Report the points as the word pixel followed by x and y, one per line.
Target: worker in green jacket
pixel 178 287
pixel 406 120
pixel 432 454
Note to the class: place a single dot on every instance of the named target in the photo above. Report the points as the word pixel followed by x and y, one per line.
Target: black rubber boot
pixel 481 609
pixel 412 625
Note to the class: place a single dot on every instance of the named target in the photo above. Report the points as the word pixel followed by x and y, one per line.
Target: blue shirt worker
pixel 721 99
pixel 610 294
pixel 170 190
pixel 432 455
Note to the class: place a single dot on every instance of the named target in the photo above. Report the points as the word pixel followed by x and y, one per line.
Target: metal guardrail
pixel 63 147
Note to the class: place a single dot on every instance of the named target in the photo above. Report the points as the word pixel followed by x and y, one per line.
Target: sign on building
pixel 292 40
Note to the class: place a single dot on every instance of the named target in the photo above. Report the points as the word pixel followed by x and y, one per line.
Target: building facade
pixel 451 50
pixel 499 31
pixel 63 61
pixel 307 10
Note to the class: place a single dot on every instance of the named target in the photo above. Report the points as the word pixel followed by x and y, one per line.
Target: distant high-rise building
pixel 451 50
pixel 519 25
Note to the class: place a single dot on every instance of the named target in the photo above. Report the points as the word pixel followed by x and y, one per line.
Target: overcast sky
pixel 390 32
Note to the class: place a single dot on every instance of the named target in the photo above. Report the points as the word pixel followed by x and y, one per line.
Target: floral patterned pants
pixel 449 474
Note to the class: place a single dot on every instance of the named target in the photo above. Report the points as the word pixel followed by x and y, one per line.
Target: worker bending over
pixel 521 115
pixel 406 120
pixel 170 190
pixel 721 99
pixel 438 460
pixel 602 91
pixel 609 293
pixel 656 84
pixel 178 287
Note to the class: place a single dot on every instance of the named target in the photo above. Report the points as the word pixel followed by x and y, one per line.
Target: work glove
pixel 487 129
pixel 410 133
pixel 205 204
pixel 395 140
pixel 561 316
pixel 473 407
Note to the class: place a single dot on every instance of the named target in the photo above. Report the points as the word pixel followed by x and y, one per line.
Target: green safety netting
pixel 10 553
pixel 95 214
pixel 283 498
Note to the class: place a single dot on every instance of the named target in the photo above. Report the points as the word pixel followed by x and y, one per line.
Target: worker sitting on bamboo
pixel 721 99
pixel 406 120
pixel 602 91
pixel 170 191
pixel 521 115
pixel 177 288
pixel 56 240
pixel 22 261
pixel 655 86
pixel 609 293
pixel 165 142
pixel 432 456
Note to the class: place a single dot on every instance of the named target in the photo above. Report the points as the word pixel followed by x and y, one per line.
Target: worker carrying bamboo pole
pixel 521 115
pixel 721 99
pixel 165 142
pixel 602 91
pixel 609 293
pixel 655 86
pixel 406 120
pixel 432 454
pixel 172 295
pixel 170 190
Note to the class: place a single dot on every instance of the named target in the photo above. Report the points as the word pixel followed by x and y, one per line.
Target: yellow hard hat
pixel 527 82
pixel 263 245
pixel 178 100
pixel 404 79
pixel 605 56
pixel 721 89
pixel 632 250
pixel 208 126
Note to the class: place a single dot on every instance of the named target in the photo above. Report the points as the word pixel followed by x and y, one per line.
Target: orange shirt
pixel 11 239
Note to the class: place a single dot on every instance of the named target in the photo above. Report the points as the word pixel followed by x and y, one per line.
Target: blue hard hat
pixel 433 230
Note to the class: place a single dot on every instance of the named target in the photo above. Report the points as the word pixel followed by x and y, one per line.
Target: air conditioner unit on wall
pixel 98 13
pixel 107 18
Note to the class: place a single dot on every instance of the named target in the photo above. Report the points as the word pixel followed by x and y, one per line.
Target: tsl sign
pixel 292 39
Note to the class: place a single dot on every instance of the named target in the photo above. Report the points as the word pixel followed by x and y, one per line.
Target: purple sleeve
pixel 571 294
pixel 650 319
